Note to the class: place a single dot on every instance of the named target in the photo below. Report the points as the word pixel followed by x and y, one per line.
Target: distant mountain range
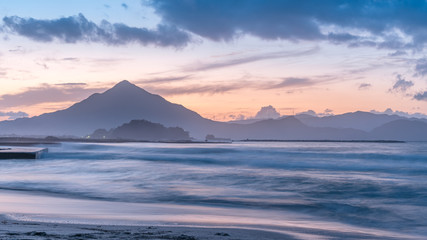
pixel 126 102
pixel 358 120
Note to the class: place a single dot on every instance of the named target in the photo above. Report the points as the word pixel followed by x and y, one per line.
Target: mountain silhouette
pixel 288 128
pixel 403 129
pixel 120 104
pixel 358 120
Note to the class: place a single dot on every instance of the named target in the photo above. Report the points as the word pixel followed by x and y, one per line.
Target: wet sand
pixel 13 229
pixel 34 216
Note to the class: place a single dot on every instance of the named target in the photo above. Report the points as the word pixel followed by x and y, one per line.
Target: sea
pixel 308 190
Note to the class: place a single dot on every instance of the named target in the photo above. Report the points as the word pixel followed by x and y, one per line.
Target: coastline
pixel 14 229
pixel 31 141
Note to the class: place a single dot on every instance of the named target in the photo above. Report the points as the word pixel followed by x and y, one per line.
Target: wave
pixel 364 184
pixel 246 156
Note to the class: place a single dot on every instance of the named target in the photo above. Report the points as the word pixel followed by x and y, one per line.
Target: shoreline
pixel 16 229
pixel 12 229
pixel 34 216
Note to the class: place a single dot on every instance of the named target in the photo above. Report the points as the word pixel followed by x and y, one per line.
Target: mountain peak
pixel 125 87
pixel 124 83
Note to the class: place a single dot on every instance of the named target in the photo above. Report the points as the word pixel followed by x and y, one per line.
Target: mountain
pixel 288 128
pixel 404 129
pixel 358 120
pixel 120 104
pixel 365 121
pixel 142 130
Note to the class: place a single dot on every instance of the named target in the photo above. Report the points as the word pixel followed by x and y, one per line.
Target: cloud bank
pixel 397 25
pixel 79 29
pixel 47 93
pixel 382 24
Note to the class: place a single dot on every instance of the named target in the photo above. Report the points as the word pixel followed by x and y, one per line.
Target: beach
pixel 12 229
pixel 41 216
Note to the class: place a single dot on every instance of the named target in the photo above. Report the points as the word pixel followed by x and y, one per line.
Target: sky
pixel 223 59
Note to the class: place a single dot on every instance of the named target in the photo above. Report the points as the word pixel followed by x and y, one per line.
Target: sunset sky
pixel 222 59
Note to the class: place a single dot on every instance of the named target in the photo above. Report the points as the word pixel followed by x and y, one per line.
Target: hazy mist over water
pixel 371 185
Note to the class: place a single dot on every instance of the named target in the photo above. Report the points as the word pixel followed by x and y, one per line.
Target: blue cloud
pixel 421 67
pixel 422 96
pixel 364 86
pixel 302 20
pixel 401 85
pixel 78 29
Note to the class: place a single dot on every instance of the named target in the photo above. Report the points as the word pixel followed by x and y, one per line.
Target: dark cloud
pixel 302 20
pixel 364 86
pixel 47 93
pixel 224 20
pixel 14 115
pixel 71 84
pixel 294 82
pixel 248 59
pixel 422 96
pixel 383 24
pixel 401 85
pixel 78 29
pixel 421 67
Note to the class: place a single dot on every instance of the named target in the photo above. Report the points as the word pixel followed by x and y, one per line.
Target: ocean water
pixel 370 190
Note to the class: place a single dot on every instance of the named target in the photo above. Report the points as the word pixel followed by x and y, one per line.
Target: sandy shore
pixel 34 216
pixel 12 229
